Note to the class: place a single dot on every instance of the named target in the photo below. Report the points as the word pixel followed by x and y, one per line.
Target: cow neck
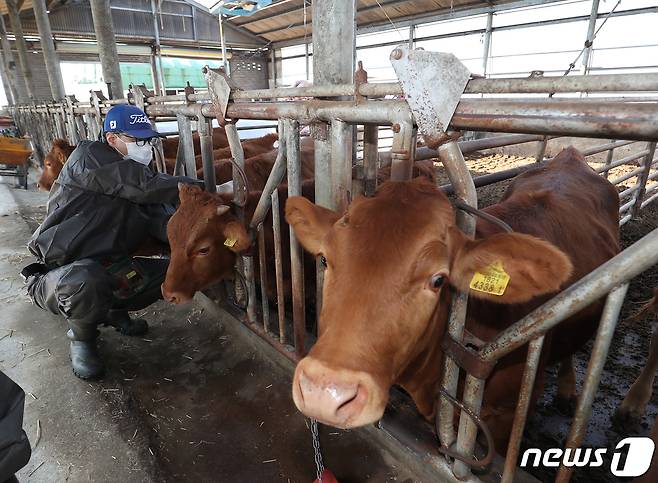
pixel 421 377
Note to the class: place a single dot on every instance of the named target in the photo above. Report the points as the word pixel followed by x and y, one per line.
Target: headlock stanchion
pixel 438 114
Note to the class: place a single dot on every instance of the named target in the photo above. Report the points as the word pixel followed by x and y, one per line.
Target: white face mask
pixel 141 154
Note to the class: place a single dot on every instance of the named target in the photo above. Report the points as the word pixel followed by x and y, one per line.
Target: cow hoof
pixel 566 405
pixel 626 418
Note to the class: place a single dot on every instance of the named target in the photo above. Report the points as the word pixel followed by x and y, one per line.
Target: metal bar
pixel 642 181
pixel 597 360
pixel 487 43
pixel 454 163
pixel 628 192
pixel 521 412
pixel 608 161
pixel 262 260
pixel 158 79
pixel 652 187
pixel 626 206
pixel 589 40
pixel 291 133
pixel 370 158
pixel 591 119
pixel 627 176
pixel 541 149
pixel 278 265
pixel 619 162
pixel 653 175
pixel 341 165
pixel 472 397
pixel 107 48
pixel 204 126
pixel 48 46
pixel 402 151
pixel 21 47
pixel 649 200
pixel 273 181
pixel 624 266
pixel 186 146
pixel 605 147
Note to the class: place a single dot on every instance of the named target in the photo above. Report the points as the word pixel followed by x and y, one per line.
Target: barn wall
pixel 249 71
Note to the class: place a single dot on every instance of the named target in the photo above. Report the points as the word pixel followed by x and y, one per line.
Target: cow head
pixel 204 237
pixel 53 163
pixel 390 263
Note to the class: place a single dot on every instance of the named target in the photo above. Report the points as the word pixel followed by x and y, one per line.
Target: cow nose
pixel 329 400
pixel 171 297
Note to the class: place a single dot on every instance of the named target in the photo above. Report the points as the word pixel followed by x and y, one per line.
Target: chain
pixel 319 466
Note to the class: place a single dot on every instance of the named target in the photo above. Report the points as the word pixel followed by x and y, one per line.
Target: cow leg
pixel 635 402
pixel 566 397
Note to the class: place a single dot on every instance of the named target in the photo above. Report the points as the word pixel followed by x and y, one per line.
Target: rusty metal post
pixel 185 157
pixel 461 179
pixel 239 200
pixel 291 133
pixel 341 165
pixel 265 306
pixel 204 127
pixel 642 181
pixel 608 159
pixel 521 413
pixel 541 150
pixel 590 37
pixel 597 360
pixel 278 265
pixel 403 150
pixel 370 158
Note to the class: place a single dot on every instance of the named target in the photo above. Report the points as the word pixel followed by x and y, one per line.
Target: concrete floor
pixel 199 398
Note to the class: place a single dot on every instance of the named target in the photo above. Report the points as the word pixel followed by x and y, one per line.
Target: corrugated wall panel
pixel 207 27
pixel 39 76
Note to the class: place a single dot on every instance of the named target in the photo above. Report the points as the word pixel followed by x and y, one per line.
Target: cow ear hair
pixel 519 265
pixel 309 222
pixel 223 209
pixel 185 190
pixel 236 237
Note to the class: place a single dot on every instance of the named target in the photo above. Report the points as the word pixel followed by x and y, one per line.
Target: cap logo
pixel 113 124
pixel 139 119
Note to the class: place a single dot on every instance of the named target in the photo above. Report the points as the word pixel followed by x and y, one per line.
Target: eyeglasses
pixel 139 142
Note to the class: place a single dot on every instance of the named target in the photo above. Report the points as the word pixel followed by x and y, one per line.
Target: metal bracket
pixel 467 358
pixel 432 83
pixel 360 77
pixel 189 90
pixel 220 87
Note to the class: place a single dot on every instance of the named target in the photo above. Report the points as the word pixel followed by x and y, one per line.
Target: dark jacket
pixel 103 205
pixel 15 449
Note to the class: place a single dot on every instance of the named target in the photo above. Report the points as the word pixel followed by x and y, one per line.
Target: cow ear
pixel 507 268
pixel 186 190
pixel 236 237
pixel 309 222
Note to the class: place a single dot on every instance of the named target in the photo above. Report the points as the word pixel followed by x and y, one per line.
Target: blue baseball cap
pixel 130 120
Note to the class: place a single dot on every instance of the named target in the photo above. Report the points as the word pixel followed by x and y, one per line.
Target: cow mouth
pixel 175 297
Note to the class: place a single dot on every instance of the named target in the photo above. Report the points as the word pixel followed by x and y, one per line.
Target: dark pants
pixel 15 449
pixel 85 292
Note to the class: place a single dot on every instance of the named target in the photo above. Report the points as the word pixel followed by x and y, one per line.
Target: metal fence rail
pixel 534 121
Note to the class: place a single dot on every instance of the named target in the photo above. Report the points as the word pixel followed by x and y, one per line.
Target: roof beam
pixel 251 20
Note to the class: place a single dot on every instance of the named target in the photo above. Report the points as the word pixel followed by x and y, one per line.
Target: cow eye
pixel 436 281
pixel 203 251
pixel 323 261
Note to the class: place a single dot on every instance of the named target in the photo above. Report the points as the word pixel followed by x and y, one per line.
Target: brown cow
pixel 53 163
pixel 170 144
pixel 205 237
pixel 195 224
pixel 393 262
pixel 258 168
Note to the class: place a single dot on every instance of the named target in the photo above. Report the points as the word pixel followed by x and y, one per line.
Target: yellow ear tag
pixel 492 280
pixel 131 274
pixel 230 242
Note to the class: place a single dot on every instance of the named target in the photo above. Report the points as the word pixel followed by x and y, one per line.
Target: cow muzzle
pixel 173 296
pixel 338 397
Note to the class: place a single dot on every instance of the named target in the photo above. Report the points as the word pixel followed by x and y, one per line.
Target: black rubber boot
pixel 125 325
pixel 86 362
